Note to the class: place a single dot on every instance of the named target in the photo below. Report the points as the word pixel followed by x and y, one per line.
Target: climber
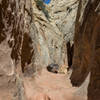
pixel 46 1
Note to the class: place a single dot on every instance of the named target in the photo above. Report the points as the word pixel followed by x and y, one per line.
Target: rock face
pixel 15 37
pixel 55 25
pixel 14 31
pixel 35 35
pixel 87 47
pixel 31 37
pixel 63 14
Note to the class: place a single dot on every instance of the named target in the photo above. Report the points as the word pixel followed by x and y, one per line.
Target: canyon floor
pixel 44 85
pixel 49 86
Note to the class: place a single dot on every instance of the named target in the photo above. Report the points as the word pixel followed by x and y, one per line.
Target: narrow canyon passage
pixel 63 35
pixel 47 85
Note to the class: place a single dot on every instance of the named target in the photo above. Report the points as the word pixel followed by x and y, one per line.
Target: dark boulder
pixel 53 68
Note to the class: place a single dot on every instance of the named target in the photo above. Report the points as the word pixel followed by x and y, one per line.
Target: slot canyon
pixel 50 51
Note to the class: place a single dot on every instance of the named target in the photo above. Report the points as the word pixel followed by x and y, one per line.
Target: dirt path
pixel 49 86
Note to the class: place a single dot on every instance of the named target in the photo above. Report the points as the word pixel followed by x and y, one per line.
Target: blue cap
pixel 46 1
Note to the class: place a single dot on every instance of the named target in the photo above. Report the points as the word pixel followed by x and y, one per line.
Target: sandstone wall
pixel 16 46
pixel 55 24
pixel 87 48
pixel 32 37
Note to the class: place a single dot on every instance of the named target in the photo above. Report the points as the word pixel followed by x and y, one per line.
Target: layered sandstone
pixel 87 48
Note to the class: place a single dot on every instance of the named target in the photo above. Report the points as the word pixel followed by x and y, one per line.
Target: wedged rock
pixel 53 68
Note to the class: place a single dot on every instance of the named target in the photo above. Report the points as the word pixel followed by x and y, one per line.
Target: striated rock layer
pixel 15 37
pixel 34 35
pixel 55 24
pixel 87 47
pixel 31 38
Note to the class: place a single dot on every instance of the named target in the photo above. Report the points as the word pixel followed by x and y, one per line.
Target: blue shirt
pixel 46 1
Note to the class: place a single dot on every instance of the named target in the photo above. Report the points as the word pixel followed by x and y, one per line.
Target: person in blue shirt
pixel 46 1
pixel 41 6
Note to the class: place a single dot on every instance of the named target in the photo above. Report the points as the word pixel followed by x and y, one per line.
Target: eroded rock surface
pixel 31 37
pixel 24 24
pixel 55 24
pixel 15 21
pixel 87 48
